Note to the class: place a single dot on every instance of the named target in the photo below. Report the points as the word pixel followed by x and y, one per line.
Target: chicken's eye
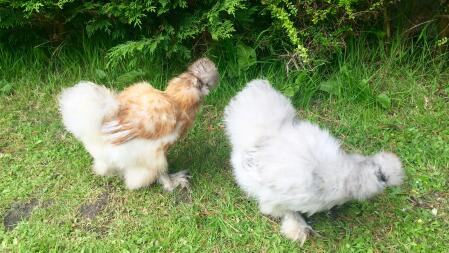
pixel 200 84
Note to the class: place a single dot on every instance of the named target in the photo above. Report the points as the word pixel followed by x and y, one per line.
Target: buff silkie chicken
pixel 130 133
pixel 293 167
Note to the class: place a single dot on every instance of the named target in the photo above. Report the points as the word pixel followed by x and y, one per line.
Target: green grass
pixel 42 164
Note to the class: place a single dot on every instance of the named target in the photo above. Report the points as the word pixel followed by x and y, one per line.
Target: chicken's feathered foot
pixel 295 227
pixel 171 181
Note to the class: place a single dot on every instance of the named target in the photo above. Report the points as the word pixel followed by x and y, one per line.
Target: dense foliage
pixel 303 31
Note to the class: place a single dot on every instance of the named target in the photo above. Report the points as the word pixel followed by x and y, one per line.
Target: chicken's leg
pixel 102 168
pixel 171 181
pixel 136 178
pixel 294 227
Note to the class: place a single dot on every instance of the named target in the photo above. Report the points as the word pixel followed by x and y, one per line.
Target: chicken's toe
pixel 180 179
pixel 170 182
pixel 101 168
pixel 295 228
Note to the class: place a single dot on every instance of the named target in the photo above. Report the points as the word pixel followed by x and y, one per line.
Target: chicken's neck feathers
pixel 361 181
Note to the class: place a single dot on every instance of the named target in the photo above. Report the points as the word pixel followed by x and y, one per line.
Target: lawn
pixel 394 99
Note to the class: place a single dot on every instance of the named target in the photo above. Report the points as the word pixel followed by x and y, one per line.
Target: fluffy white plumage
pixel 84 107
pixel 292 166
pixel 131 132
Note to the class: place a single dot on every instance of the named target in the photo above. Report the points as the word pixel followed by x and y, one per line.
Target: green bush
pixel 303 31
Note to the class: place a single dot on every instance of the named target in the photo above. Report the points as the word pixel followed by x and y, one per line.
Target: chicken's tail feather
pixel 257 111
pixel 84 107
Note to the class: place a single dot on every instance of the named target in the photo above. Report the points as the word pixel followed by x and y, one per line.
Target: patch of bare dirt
pixel 18 212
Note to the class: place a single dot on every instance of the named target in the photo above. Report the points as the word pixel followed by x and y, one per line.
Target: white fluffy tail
pixel 84 107
pixel 257 111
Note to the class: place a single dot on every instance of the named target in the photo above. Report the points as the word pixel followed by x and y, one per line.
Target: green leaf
pixel 221 29
pixel 6 88
pixel 301 78
pixel 100 74
pixel 131 76
pixel 246 56
pixel 384 101
pixel 290 91
pixel 345 71
pixel 379 34
pixel 364 82
pixel 330 86
pixel 94 26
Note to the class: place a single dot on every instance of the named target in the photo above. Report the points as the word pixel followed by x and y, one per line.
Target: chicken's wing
pixel 145 112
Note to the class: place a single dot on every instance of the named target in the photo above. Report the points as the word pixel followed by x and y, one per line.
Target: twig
pixel 418 25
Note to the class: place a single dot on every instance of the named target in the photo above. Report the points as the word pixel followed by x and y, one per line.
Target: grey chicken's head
pixel 390 169
pixel 206 73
